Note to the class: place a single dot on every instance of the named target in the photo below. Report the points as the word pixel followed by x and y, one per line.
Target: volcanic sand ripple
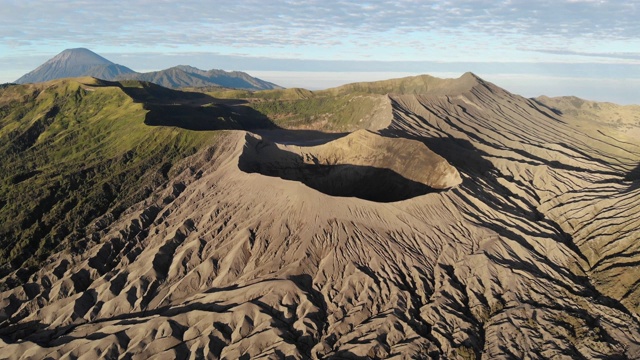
pixel 514 261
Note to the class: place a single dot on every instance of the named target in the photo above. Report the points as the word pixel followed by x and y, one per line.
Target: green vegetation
pixel 300 108
pixel 344 108
pixel 329 112
pixel 72 152
pixel 75 150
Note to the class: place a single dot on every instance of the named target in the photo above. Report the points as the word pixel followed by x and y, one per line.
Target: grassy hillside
pixel 345 108
pixel 73 150
pixel 421 84
pixel 320 110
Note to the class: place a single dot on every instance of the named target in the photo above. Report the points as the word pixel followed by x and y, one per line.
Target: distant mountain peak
pixel 76 57
pixel 80 62
pixel 83 54
pixel 187 68
pixel 75 63
pixel 189 76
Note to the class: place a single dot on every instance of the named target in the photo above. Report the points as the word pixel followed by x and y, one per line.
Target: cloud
pixel 620 91
pixel 545 37
pixel 608 55
pixel 251 23
pixel 156 61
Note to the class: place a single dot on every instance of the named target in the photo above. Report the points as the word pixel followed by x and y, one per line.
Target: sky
pixel 586 48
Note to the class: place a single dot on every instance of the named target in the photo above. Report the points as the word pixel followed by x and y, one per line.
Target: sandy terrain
pixel 478 224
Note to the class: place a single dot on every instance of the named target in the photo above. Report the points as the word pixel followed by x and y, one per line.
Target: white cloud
pixel 291 23
pixel 408 35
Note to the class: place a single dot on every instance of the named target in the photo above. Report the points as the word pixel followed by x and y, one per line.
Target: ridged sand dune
pixel 478 224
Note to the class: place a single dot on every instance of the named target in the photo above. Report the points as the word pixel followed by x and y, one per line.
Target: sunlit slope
pixel 73 150
pixel 317 110
pixel 567 162
pixel 363 105
pixel 255 247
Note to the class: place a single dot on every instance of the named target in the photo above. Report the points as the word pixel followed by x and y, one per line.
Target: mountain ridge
pixel 420 84
pixel 233 248
pixel 74 63
pixel 78 62
pixel 188 76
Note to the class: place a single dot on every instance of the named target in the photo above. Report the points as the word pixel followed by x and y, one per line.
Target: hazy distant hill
pixel 189 76
pixel 83 62
pixel 75 63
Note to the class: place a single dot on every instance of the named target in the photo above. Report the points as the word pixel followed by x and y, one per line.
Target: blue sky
pixel 588 48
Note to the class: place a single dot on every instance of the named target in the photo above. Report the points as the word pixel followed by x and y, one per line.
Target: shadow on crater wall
pixel 213 117
pixel 633 175
pixel 344 180
pixel 201 112
pixel 192 110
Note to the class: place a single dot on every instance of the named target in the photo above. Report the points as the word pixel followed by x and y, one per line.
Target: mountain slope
pixel 423 84
pixel 76 149
pixel 530 253
pixel 74 63
pixel 83 62
pixel 188 76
